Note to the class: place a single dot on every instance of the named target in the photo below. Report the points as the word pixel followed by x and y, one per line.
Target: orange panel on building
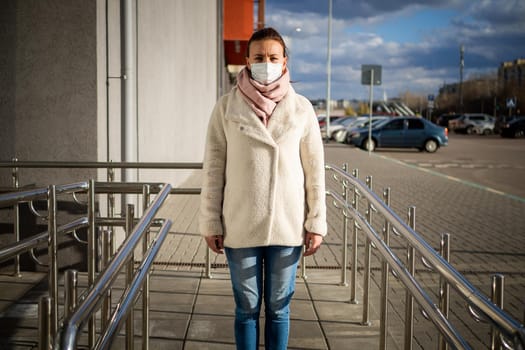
pixel 238 19
pixel 238 27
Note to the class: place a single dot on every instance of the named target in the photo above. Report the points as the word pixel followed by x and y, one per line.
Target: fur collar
pixel 281 121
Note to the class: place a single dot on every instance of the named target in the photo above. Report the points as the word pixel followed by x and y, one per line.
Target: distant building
pixel 342 104
pixel 512 72
pixel 449 89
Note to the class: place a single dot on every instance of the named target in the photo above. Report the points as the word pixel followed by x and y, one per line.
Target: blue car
pixel 402 132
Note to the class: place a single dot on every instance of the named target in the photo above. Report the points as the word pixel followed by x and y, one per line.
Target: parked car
pixel 322 119
pixel 513 128
pixel 467 122
pixel 361 122
pixel 402 132
pixel 443 119
pixel 484 128
pixel 338 125
pixel 322 123
pixel 503 120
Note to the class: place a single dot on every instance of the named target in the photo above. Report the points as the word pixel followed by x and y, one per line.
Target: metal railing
pixel 506 332
pixel 137 279
pixel 79 310
pixel 50 236
pixel 96 293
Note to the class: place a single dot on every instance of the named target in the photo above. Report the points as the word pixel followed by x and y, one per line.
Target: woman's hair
pixel 267 34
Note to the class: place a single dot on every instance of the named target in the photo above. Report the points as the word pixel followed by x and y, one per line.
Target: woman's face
pixel 266 51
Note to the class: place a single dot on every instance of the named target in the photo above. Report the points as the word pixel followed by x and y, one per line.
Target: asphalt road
pixel 489 161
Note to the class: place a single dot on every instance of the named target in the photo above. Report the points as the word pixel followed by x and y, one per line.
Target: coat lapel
pixel 283 117
pixel 280 122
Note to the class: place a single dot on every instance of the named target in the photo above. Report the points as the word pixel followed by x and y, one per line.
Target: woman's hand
pixel 215 243
pixel 312 242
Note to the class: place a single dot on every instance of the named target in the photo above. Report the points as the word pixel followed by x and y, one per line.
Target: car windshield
pixel 361 122
pixel 379 122
pixel 347 121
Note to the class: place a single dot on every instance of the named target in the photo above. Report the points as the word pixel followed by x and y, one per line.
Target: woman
pixel 263 192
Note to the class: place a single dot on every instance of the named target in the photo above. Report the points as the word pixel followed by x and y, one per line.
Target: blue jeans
pixel 257 272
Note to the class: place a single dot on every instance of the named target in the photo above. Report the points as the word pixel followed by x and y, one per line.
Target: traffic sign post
pixel 430 105
pixel 370 75
pixel 511 104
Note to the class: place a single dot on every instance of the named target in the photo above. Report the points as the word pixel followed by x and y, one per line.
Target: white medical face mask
pixel 266 72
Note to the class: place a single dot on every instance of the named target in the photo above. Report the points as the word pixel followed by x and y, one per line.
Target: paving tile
pixel 351 336
pixel 306 335
pixel 215 305
pixel 211 328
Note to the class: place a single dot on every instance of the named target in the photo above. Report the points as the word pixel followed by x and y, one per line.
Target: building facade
pixel 61 78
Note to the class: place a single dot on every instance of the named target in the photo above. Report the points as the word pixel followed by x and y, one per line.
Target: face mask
pixel 265 73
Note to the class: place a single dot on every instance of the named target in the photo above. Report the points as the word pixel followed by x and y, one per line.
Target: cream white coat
pixel 263 185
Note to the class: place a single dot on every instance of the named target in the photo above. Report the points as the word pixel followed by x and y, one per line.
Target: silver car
pixel 484 128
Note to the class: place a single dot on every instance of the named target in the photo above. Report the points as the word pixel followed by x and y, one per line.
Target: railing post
pixel 303 266
pixel 44 323
pixel 145 288
pixel 130 334
pixel 498 281
pixel 106 256
pixel 366 276
pixel 16 222
pixel 409 300
pixel 208 263
pixel 111 203
pixel 52 253
pixel 444 288
pixel 355 204
pixel 91 255
pixel 70 292
pixel 385 270
pixel 344 258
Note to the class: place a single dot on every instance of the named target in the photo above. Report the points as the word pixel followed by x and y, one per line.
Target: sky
pixel 416 42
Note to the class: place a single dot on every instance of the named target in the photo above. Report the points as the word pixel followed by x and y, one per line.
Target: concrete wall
pixel 177 82
pixel 53 73
pixel 7 81
pixel 49 79
pixel 58 56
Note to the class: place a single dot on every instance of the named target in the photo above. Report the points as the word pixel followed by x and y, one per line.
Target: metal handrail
pixel 12 198
pixel 99 165
pixel 511 328
pixel 136 188
pixel 11 250
pixel 451 334
pixel 94 295
pixel 132 291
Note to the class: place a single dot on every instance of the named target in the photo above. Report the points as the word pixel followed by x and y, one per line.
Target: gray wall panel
pixel 54 90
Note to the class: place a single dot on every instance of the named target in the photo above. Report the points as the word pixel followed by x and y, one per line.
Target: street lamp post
pixel 328 69
pixel 461 65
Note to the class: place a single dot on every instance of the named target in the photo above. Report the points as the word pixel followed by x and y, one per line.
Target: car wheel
pixel 518 133
pixel 487 132
pixel 469 130
pixel 431 146
pixel 369 145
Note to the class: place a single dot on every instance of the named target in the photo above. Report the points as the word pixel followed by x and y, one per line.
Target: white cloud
pixel 491 30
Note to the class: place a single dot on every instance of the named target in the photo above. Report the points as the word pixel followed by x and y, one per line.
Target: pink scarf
pixel 261 98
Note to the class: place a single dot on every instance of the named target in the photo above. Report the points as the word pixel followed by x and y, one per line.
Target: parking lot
pixel 492 161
